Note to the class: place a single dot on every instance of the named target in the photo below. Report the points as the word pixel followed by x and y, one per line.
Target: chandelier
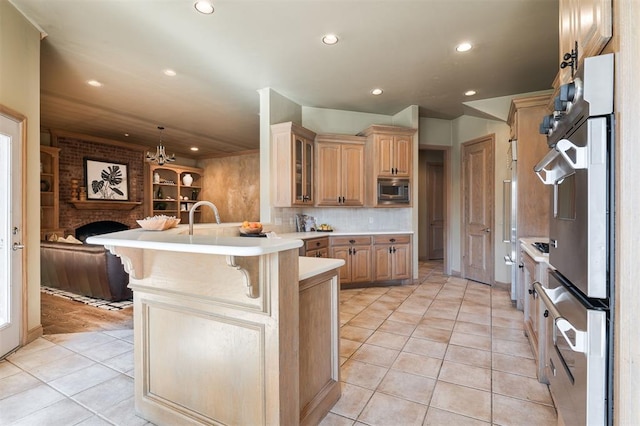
pixel 160 156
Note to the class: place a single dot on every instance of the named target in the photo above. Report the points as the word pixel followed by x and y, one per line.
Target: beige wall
pixel 233 185
pixel 20 92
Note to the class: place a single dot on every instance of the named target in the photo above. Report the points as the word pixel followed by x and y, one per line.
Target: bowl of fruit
pixel 250 227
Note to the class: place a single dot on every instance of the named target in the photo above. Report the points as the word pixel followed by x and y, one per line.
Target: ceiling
pixel 407 48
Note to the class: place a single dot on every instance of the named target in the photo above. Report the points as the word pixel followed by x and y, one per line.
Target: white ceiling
pixel 221 60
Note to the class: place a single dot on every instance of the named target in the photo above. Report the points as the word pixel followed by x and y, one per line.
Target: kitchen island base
pixel 232 339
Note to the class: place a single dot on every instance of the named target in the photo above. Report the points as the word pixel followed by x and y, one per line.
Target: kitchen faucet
pixel 202 203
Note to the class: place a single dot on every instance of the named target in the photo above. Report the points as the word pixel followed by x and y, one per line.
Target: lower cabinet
pixel 373 258
pixel 315 247
pixel 319 347
pixel 392 257
pixel 534 271
pixel 356 253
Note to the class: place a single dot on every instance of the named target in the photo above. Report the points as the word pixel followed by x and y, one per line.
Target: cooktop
pixel 543 247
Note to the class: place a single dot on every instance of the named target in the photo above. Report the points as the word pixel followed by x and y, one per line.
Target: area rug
pixel 92 301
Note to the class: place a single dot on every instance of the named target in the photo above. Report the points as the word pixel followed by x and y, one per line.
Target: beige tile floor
pixel 444 351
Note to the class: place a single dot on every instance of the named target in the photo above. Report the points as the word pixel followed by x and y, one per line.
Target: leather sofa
pixel 85 269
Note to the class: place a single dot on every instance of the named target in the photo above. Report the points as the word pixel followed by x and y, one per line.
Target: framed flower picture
pixel 106 180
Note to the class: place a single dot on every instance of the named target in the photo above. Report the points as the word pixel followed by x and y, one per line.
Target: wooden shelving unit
pixel 166 195
pixel 49 192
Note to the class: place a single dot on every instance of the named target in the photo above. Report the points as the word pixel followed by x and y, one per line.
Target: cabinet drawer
pixel 323 252
pixel 350 240
pixel 316 243
pixel 391 239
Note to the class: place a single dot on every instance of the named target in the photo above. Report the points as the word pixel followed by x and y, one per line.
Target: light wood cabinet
pixel 315 247
pixel 534 271
pixel 392 150
pixel 340 170
pixel 49 192
pixel 319 346
pixel 293 165
pixel 389 153
pixel 356 251
pixel 168 195
pixel 586 24
pixel 533 197
pixel 392 257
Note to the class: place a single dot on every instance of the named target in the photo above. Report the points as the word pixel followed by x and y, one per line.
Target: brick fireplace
pixel 72 153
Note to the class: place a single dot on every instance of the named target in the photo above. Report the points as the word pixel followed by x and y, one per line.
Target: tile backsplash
pixel 354 219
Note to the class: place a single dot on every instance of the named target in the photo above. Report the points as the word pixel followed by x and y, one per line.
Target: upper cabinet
pixel 293 165
pixel 585 24
pixel 389 153
pixel 172 190
pixel 49 192
pixel 533 197
pixel 340 170
pixel 391 148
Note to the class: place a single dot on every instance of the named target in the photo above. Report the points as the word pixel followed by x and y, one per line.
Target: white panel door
pixel 11 253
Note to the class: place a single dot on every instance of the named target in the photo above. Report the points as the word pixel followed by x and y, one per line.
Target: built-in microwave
pixel 393 191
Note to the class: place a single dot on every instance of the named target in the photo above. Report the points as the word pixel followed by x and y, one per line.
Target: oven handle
pixel 580 160
pixel 561 323
pixel 561 169
pixel 542 292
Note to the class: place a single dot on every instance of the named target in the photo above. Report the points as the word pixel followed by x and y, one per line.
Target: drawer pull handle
pixel 352 241
pixel 393 240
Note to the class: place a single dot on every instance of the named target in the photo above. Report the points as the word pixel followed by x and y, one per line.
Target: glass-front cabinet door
pixel 303 173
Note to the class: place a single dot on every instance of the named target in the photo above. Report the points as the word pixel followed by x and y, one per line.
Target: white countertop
pixel 219 239
pixel 179 241
pixel 312 266
pixel 316 234
pixel 527 245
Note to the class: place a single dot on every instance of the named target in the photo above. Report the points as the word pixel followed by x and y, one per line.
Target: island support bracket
pixel 252 291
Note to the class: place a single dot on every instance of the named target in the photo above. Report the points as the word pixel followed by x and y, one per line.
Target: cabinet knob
pixel 317 243
pixel 530 291
pixel 546 313
pixel 394 249
pixel 389 249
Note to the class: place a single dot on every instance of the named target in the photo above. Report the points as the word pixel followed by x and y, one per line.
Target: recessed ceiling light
pixel 204 6
pixel 463 47
pixel 94 83
pixel 376 92
pixel 170 73
pixel 194 148
pixel 470 93
pixel 330 39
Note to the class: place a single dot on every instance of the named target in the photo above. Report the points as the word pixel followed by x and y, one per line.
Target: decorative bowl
pixel 246 231
pixel 158 223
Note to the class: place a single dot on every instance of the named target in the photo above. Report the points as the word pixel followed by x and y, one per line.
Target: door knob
pixel 486 230
pixel 17 246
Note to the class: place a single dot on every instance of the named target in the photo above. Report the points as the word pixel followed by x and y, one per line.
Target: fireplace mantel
pixel 105 205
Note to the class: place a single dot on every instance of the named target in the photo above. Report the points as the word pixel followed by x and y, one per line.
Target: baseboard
pixel 455 273
pixel 502 286
pixel 33 334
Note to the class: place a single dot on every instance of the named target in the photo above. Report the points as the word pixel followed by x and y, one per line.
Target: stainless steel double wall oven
pixel 578 305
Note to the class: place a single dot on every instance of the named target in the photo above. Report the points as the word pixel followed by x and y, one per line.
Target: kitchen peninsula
pixel 230 330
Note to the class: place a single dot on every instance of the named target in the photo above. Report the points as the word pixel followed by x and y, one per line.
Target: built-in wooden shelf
pixel 105 205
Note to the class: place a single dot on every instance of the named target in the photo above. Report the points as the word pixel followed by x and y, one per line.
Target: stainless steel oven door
pixel 576 355
pixel 577 168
